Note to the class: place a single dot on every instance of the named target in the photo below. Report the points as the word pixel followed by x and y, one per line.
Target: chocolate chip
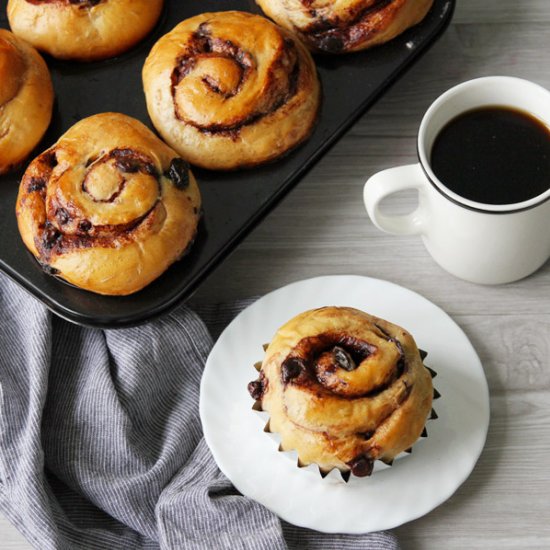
pixel 130 162
pixel 62 216
pixel 343 359
pixel 179 173
pixel 51 236
pixel 366 435
pixel 85 225
pixel 331 44
pixel 150 169
pixel 256 389
pixel 361 466
pixel 423 354
pixel 36 184
pixel 291 368
pixel 50 159
pixel 128 165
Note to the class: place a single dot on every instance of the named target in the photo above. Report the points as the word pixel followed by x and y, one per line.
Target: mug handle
pixel 391 181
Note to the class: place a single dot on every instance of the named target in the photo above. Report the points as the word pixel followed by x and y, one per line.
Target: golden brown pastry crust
pixel 109 207
pixel 83 30
pixel 26 99
pixel 344 388
pixel 231 89
pixel 340 26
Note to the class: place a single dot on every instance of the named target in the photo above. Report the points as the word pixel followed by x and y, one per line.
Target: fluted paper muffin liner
pixel 336 475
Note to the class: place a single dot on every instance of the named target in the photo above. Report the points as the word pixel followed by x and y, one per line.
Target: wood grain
pixel 321 228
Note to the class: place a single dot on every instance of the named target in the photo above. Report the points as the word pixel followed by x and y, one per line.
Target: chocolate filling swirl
pixel 72 221
pixel 328 360
pixel 219 86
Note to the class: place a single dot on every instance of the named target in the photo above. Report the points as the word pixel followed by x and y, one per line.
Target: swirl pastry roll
pixel 109 207
pixel 26 99
pixel 231 89
pixel 340 26
pixel 343 389
pixel 83 30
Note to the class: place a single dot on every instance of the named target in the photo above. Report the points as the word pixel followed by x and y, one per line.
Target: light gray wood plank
pixel 501 11
pixel 463 52
pixel 504 503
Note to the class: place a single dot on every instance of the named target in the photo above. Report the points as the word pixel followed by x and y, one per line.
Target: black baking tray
pixel 233 202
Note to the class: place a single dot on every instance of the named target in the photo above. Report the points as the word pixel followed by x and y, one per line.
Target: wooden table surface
pixel 321 228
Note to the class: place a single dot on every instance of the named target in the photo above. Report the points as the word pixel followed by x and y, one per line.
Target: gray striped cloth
pixel 101 444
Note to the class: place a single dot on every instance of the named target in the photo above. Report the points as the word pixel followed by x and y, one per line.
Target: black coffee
pixel 493 155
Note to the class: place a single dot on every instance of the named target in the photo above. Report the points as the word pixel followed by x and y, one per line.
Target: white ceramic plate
pixel 409 489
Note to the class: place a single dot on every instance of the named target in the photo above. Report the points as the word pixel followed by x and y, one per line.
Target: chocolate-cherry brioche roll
pixel 83 30
pixel 26 100
pixel 343 389
pixel 231 89
pixel 109 207
pixel 340 26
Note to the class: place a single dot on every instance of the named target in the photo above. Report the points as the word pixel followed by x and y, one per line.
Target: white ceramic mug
pixel 482 243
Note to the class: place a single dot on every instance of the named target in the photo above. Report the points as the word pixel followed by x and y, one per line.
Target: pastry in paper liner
pixel 346 392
